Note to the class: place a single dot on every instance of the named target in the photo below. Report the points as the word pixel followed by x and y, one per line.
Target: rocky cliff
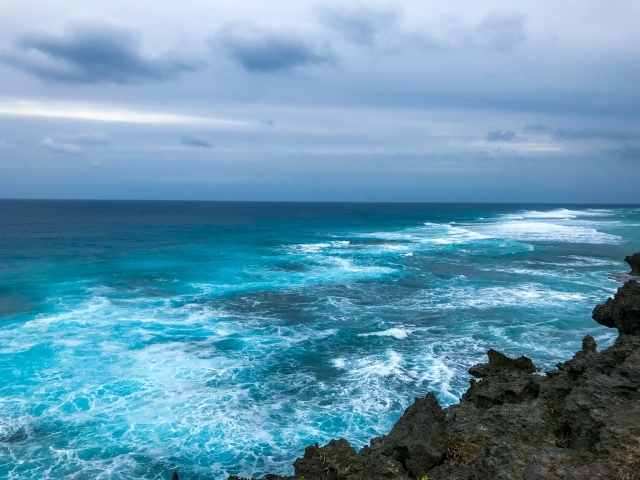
pixel 579 421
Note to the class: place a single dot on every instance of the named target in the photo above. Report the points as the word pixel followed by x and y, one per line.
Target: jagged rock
pixel 418 440
pixel 622 311
pixel 336 460
pixel 175 475
pixel 499 362
pixel 589 344
pixel 377 466
pixel 505 387
pixel 634 263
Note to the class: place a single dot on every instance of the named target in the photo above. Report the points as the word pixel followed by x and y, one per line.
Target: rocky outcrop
pixel 578 421
pixel 634 263
pixel 500 362
pixel 622 311
pixel 418 440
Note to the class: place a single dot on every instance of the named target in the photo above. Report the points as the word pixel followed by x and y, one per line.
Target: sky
pixel 456 100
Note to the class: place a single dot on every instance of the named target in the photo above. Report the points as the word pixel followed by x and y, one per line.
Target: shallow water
pixel 221 338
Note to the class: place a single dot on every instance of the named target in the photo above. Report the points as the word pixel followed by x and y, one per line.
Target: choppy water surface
pixel 221 338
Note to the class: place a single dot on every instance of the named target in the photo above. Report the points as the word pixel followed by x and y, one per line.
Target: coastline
pixel 580 420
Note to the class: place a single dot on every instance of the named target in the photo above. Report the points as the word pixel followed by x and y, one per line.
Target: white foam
pixel 528 231
pixel 565 214
pixel 339 363
pixel 318 247
pixel 462 296
pixel 399 333
pixel 428 237
pixel 582 261
pixel 311 247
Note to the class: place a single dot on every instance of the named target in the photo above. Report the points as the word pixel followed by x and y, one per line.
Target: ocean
pixel 222 338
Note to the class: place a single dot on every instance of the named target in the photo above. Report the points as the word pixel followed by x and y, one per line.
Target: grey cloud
pixel 59 147
pixel 536 127
pixel 360 25
pixel 90 138
pixel 92 54
pixel 501 32
pixel 604 133
pixel 498 32
pixel 195 141
pixel 259 51
pixel 500 136
pixel 581 133
pixel 627 152
pixel 5 144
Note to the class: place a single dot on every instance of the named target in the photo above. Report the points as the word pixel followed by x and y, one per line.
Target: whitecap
pixel 528 231
pixel 566 214
pixel 399 333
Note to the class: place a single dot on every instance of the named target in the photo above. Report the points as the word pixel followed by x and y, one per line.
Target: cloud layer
pixel 195 141
pixel 500 136
pixel 359 25
pixel 269 51
pixel 362 99
pixel 60 147
pixel 564 133
pixel 92 54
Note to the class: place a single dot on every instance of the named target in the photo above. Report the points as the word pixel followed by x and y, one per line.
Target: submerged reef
pixel 581 420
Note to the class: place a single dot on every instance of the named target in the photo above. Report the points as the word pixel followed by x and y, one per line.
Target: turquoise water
pixel 221 338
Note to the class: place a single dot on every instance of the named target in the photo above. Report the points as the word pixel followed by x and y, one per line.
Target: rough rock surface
pixel 634 263
pixel 622 311
pixel 578 421
pixel 500 362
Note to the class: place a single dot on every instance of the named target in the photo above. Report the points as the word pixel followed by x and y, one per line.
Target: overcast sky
pixel 456 100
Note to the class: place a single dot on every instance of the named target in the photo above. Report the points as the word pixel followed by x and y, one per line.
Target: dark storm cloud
pixel 268 52
pixel 358 25
pixel 500 136
pixel 580 133
pixel 195 141
pixel 92 54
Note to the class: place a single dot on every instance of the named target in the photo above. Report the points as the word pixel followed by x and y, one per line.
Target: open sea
pixel 222 338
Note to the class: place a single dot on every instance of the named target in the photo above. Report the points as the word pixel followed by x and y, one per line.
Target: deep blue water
pixel 221 338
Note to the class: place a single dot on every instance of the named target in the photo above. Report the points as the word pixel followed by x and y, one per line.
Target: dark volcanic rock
pixel 418 440
pixel 499 362
pixel 622 311
pixel 634 263
pixel 579 421
pixel 339 461
pixel 335 460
